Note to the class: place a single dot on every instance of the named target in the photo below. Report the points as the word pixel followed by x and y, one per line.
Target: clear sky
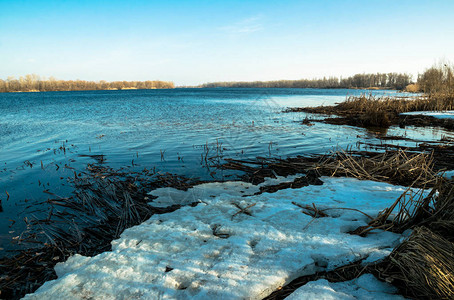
pixel 191 42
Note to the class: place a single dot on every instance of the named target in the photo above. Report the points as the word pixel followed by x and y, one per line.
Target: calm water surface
pixel 165 129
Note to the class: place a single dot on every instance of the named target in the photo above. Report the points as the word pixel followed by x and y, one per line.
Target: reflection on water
pixel 43 135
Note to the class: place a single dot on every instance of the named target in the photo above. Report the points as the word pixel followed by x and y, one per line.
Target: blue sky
pixel 191 42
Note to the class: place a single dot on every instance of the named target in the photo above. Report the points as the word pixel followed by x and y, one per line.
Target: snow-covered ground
pixel 366 287
pixel 449 114
pixel 171 196
pixel 215 251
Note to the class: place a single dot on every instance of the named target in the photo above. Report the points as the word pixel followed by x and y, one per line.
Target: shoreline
pixel 256 173
pixel 228 241
pixel 383 112
pixel 198 87
pixel 109 89
pixel 259 175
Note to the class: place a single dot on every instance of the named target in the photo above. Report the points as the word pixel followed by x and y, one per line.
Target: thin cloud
pixel 245 26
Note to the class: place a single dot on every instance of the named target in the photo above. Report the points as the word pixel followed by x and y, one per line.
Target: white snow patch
pixel 177 256
pixel 170 196
pixel 436 114
pixel 366 287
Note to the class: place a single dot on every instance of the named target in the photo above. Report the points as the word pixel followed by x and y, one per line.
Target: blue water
pixel 41 133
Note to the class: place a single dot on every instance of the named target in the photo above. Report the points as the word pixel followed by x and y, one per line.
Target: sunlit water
pixel 42 135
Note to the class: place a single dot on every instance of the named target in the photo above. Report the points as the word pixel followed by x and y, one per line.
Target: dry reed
pixel 398 167
pixel 373 111
pixel 423 266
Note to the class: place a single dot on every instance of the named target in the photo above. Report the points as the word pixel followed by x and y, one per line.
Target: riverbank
pixel 107 89
pixel 370 111
pixel 217 215
pixel 122 200
pixel 34 83
pixel 230 246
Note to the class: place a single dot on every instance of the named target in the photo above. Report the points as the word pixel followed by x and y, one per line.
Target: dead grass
pixel 372 111
pixel 371 105
pixel 423 266
pixel 441 219
pixel 412 88
pixel 398 167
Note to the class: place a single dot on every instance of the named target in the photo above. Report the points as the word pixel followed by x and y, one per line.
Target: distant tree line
pixel 437 79
pixel 34 83
pixel 379 80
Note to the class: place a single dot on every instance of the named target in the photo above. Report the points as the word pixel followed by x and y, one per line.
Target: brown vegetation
pixel 398 167
pixel 423 265
pixel 34 83
pixel 372 111
pixel 413 88
pixel 438 80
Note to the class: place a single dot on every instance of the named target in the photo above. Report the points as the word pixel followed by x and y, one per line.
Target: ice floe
pixel 220 250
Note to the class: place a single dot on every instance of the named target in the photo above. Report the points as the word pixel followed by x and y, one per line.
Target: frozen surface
pixel 213 252
pixel 366 287
pixel 449 114
pixel 170 196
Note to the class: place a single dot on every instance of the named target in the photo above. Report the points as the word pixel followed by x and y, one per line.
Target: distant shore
pixel 109 89
pixel 263 87
pixel 376 81
pixel 197 87
pixel 34 83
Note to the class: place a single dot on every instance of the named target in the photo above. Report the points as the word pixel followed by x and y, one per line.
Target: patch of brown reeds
pixel 422 266
pixel 441 218
pixel 397 167
pixel 373 111
pixel 441 152
pixel 413 88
